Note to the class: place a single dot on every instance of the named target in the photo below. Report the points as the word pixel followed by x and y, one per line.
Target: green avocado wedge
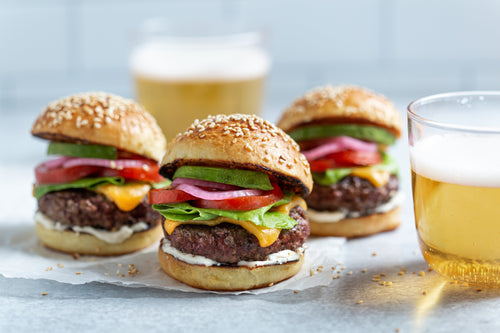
pixel 362 132
pixel 80 150
pixel 242 178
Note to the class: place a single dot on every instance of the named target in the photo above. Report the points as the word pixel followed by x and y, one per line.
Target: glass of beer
pixel 455 160
pixel 185 72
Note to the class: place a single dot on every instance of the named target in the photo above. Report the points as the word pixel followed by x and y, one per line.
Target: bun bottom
pixel 226 278
pixel 358 227
pixel 81 243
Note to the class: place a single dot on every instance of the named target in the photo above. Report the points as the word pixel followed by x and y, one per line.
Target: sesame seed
pixel 424 292
pixel 360 301
pixel 45 293
pixel 78 273
pixel 60 265
pixel 48 269
pixel 421 273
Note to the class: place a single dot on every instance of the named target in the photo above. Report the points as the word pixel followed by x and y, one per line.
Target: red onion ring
pixel 338 144
pixel 55 163
pixel 203 183
pixel 113 164
pixel 217 195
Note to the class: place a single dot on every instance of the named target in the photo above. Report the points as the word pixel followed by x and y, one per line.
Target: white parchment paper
pixel 23 256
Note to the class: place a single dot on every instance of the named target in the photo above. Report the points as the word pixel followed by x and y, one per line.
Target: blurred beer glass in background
pixel 455 162
pixel 183 72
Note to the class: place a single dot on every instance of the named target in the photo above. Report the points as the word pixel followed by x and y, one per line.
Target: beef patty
pixel 229 243
pixel 352 194
pixel 80 207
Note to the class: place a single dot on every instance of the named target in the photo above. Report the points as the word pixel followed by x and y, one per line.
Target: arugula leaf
pixel 183 211
pixel 333 176
pixel 40 190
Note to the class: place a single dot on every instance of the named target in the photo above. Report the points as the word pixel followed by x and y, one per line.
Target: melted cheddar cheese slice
pixel 266 236
pixel 126 197
pixel 377 177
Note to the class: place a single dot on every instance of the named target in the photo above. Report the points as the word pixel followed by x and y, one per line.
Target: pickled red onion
pixel 217 195
pixel 338 144
pixel 203 183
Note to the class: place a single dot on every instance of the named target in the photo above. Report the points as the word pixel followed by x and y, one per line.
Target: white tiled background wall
pixel 402 48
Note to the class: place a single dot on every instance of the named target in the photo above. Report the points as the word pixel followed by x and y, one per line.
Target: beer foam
pixel 471 160
pixel 170 60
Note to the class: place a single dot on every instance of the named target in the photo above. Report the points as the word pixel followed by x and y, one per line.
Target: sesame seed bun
pixel 341 105
pixel 227 278
pixel 243 142
pixel 82 243
pixel 357 227
pixel 103 119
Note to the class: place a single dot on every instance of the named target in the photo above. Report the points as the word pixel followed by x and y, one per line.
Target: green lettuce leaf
pixel 40 190
pixel 333 176
pixel 162 184
pixel 183 211
pixel 89 183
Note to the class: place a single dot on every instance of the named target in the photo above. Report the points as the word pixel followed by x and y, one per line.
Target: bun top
pixel 103 119
pixel 341 104
pixel 240 141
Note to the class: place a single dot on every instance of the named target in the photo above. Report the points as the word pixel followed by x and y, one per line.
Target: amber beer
pixel 179 83
pixel 457 206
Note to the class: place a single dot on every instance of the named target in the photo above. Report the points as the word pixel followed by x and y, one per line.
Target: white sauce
pixel 463 159
pixel 331 217
pixel 111 237
pixel 277 258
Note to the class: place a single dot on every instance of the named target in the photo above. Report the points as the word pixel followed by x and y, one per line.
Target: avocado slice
pixel 362 132
pixel 80 150
pixel 242 178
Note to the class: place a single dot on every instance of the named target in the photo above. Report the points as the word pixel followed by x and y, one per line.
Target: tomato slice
pixel 344 159
pixel 243 203
pixel 44 175
pixel 148 172
pixel 161 196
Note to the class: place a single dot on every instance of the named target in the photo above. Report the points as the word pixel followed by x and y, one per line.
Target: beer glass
pixel 455 168
pixel 184 72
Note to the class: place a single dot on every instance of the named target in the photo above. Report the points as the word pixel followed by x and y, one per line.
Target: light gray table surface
pixel 446 307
